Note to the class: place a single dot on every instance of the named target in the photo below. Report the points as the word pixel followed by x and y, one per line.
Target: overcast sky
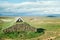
pixel 30 6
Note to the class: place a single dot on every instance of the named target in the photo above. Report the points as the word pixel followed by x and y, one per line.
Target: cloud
pixel 52 7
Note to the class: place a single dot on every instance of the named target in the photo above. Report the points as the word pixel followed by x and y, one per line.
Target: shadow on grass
pixel 40 30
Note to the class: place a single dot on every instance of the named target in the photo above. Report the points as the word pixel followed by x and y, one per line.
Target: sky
pixel 9 7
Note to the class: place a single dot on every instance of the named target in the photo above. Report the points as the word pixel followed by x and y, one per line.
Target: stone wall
pixel 20 27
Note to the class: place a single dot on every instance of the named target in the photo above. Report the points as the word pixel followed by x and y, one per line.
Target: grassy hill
pixel 51 26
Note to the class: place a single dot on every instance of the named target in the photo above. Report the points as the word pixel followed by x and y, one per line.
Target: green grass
pixel 22 34
pixel 51 28
pixel 6 25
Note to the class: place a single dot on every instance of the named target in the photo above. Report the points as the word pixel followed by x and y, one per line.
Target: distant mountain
pixel 53 15
pixel 29 14
pixel 0 14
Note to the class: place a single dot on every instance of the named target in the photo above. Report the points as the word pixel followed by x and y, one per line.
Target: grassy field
pixel 50 24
